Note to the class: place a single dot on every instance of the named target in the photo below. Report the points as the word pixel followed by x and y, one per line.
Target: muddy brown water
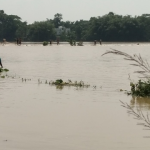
pixel 42 117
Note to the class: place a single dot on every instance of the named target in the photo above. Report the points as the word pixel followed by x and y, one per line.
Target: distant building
pixel 61 30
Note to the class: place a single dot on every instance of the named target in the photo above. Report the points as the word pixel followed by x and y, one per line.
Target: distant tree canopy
pixel 110 27
pixel 57 19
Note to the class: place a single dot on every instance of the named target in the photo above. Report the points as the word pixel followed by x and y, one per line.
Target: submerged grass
pixel 140 89
pixel 60 82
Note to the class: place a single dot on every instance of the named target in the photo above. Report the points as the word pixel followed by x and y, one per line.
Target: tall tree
pixel 57 20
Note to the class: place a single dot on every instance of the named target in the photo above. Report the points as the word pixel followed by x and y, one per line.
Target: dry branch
pixel 137 59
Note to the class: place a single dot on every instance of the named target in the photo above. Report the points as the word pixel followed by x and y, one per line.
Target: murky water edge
pixel 39 116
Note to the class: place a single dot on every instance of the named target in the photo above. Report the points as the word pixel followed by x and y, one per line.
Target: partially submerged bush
pixel 45 43
pixel 60 82
pixel 72 42
pixel 3 70
pixel 140 89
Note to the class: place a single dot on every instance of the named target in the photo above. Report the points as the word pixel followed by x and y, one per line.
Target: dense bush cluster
pixel 140 89
pixel 109 27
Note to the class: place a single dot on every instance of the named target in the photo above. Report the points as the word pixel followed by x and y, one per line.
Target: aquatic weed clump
pixel 69 83
pixel 3 70
pixel 58 81
pixel 140 89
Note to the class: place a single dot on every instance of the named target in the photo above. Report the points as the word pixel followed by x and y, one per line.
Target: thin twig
pixel 137 59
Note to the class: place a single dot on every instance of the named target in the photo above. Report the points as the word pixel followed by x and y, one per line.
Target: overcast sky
pixel 72 10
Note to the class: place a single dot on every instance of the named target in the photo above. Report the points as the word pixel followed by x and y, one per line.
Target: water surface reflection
pixel 142 103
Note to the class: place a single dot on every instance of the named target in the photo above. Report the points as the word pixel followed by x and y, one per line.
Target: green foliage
pixel 58 81
pixel 41 31
pixel 72 42
pixel 140 89
pixel 3 70
pixel 109 27
pixel 8 25
pixel 45 43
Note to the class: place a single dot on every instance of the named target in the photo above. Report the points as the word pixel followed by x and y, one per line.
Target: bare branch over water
pixel 138 114
pixel 137 60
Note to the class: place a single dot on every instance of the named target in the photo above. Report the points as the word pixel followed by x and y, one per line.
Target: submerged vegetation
pixel 3 70
pixel 60 82
pixel 72 42
pixel 142 87
pixel 45 43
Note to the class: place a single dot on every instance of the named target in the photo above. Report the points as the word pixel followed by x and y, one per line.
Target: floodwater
pixel 37 116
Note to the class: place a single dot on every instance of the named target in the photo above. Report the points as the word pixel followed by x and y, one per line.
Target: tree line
pixel 109 27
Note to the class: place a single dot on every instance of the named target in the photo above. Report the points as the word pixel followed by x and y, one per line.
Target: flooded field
pixel 37 116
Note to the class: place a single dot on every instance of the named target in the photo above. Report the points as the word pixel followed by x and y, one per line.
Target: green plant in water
pixel 140 89
pixel 72 42
pixel 58 81
pixel 6 70
pixel 45 43
pixel 3 70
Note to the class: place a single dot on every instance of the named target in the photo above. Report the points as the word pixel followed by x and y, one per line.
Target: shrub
pixel 45 43
pixel 2 70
